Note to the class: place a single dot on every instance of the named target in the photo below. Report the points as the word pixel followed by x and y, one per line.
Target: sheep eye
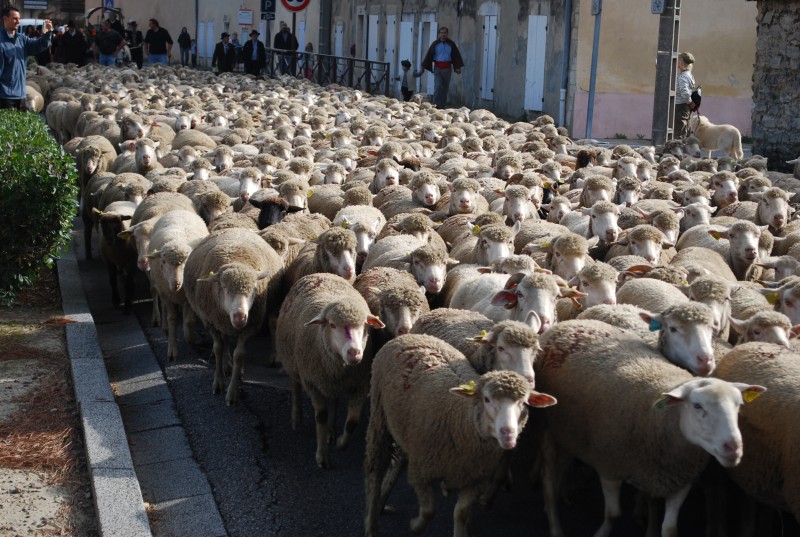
pixel 332 326
pixel 757 332
pixel 673 329
pixel 486 399
pixel 594 216
pixel 501 349
pixel 698 406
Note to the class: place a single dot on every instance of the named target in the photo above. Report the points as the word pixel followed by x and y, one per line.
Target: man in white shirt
pixel 684 86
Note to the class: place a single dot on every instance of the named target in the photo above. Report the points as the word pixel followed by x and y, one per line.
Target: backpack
pixel 697 96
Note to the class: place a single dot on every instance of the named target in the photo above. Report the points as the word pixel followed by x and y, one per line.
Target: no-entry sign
pixel 295 5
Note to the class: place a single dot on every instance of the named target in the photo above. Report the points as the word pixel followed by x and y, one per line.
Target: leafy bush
pixel 38 189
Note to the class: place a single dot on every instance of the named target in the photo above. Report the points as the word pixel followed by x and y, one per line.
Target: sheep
pixel 769 428
pixel 410 406
pixel 366 222
pixel 619 431
pixel 231 280
pixel 715 294
pixel 422 194
pixel 725 186
pixel 738 245
pixel 786 298
pixel 558 208
pixel 515 204
pixel 598 281
pixel 694 214
pixel 118 253
pixel 628 191
pixel 394 297
pixel 334 251
pixel 566 255
pixel 145 158
pixel 767 327
pixel 771 208
pixel 488 346
pixel 643 240
pixel 702 261
pixel 598 220
pixel 487 245
pixel 387 173
pixel 321 337
pixel 174 236
pixel 95 154
pixel 464 198
pixel 596 188
pixel 459 227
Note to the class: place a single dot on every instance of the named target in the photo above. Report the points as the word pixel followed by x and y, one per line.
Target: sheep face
pixel 170 272
pixel 342 335
pixel 686 342
pixel 645 247
pixel 365 237
pixel 695 214
pixel 786 299
pixel 506 171
pixel 519 209
pixel 591 196
pixel 145 155
pixel 558 209
pixel 530 296
pixel 709 412
pixel 385 176
pixel 134 128
pixel 341 263
pixel 348 162
pixel 784 266
pixel 248 184
pixel 488 251
pixel 743 243
pixel 511 356
pixel 565 263
pixel 755 329
pixel 772 210
pixel 725 189
pixel 692 148
pixel 223 160
pixel 625 168
pixel 598 291
pixel 462 202
pixel 182 123
pixel 429 275
pixel 333 176
pixel 400 318
pixel 628 196
pixel 603 223
pixel 427 194
pixel 235 291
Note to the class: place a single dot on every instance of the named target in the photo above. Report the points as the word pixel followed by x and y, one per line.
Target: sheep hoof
pixel 217 386
pixel 342 441
pixel 418 524
pixel 323 462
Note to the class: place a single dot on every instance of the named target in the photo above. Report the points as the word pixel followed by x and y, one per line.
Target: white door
pixel 534 63
pixel 210 41
pixel 489 57
pixel 406 49
pixel 372 45
pixel 201 39
pixel 389 52
pixel 428 31
pixel 262 29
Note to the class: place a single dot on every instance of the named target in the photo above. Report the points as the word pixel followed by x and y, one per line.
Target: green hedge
pixel 38 189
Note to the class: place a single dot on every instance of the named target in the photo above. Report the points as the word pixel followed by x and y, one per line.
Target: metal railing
pixel 357 73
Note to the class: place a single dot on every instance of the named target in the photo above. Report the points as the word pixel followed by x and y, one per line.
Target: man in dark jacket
pixel 72 46
pixel 254 54
pixel 442 59
pixel 224 55
pixel 135 40
pixel 284 40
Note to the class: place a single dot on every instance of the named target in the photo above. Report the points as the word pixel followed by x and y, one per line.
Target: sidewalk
pixel 136 447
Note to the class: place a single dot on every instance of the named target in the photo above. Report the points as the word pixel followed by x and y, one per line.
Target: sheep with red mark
pixel 334 251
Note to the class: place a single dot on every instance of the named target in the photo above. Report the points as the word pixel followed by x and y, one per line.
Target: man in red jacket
pixel 442 59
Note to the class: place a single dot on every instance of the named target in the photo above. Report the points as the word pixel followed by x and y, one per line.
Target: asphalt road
pixel 266 482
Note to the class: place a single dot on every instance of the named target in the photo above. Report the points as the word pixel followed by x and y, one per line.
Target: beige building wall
pixel 720 33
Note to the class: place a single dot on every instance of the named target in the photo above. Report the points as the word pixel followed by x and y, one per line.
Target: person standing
pixel 442 58
pixel 684 86
pixel 254 55
pixel 108 43
pixel 116 24
pixel 14 49
pixel 406 80
pixel 72 46
pixel 194 52
pixel 157 44
pixel 134 38
pixel 185 43
pixel 284 40
pixel 224 55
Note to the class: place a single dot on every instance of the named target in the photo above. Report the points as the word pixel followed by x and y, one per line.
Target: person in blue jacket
pixel 14 50
pixel 442 58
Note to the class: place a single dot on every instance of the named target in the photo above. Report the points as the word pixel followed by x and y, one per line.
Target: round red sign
pixel 295 5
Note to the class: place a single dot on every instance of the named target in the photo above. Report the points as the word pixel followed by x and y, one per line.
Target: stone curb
pixel 116 491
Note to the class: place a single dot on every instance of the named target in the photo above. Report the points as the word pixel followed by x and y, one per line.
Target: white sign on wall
pixel 245 17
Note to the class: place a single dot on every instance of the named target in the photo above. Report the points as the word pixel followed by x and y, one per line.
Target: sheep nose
pixel 347 273
pixel 239 318
pixel 403 330
pixel 353 355
pixel 611 235
pixel 777 221
pixel 245 196
pixel 610 301
pixel 518 217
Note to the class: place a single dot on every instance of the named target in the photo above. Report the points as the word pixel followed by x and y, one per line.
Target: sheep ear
pixel 505 298
pixel 665 244
pixel 586 211
pixel 464 390
pixel 210 278
pixel 750 392
pixel 756 196
pixel 540 400
pixel 737 325
pixel 154 254
pixel 623 240
pixel 683 288
pixel 513 281
pixel 656 321
pixel 593 241
pixel 794 331
pixel 771 295
pixel 126 234
pixel 639 270
pixel 374 322
pixel 480 338
pixel 769 263
pixel 718 234
pixel 485 270
pixel 516 227
pixel 319 319
pixel 569 292
pixel 263 274
pixel 668 399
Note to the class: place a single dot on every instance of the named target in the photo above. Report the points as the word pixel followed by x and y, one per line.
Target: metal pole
pixel 293 57
pixel 666 68
pixel 562 98
pixel 597 8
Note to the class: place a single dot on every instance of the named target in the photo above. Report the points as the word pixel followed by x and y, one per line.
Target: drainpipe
pixel 597 6
pixel 562 100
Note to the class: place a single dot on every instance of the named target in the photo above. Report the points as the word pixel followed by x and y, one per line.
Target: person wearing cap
pixel 254 54
pixel 157 44
pixel 284 40
pixel 108 44
pixel 684 86
pixel 442 58
pixel 116 24
pixel 135 40
pixel 185 43
pixel 224 55
pixel 14 49
pixel 72 46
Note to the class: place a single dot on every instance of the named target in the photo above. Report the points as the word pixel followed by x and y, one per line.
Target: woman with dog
pixel 684 86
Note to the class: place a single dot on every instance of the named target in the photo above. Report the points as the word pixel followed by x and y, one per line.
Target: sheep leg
pixel 399 461
pixel 462 511
pixel 321 417
pixel 377 460
pixel 155 318
pixel 297 404
pixel 331 413
pixel 550 481
pixel 87 240
pixel 611 489
pixel 236 374
pixel 189 321
pixel 425 497
pixel 219 377
pixel 112 279
pixel 129 275
pixel 354 406
pixel 653 514
pixel 672 507
pixel 172 336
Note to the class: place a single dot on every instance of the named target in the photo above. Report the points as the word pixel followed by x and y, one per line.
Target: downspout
pixel 562 101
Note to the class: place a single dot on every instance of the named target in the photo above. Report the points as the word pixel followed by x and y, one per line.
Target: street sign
pixel 295 6
pixel 597 6
pixel 34 4
pixel 656 7
pixel 267 16
pixel 108 3
pixel 268 6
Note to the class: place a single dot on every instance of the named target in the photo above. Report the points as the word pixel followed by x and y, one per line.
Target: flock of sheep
pixel 442 263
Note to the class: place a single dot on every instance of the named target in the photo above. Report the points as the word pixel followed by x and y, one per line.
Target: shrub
pixel 38 189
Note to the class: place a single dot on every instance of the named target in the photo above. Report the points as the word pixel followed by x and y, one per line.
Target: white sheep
pixel 174 236
pixel 334 251
pixel 231 280
pixel 321 337
pixel 486 245
pixel 650 424
pixel 598 220
pixel 366 222
pixel 649 294
pixel 413 402
pixel 738 245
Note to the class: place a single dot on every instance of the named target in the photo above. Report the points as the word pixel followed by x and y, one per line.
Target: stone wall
pixel 776 83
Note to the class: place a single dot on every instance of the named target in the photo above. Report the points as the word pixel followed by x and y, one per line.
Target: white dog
pixel 722 137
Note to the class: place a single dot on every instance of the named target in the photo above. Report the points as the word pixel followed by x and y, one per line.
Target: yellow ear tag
pixel 468 389
pixel 546 184
pixel 715 234
pixel 153 251
pixel 661 402
pixel 750 395
pixel 772 297
pixel 476 229
pixel 310 193
pixel 545 245
pixel 345 224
